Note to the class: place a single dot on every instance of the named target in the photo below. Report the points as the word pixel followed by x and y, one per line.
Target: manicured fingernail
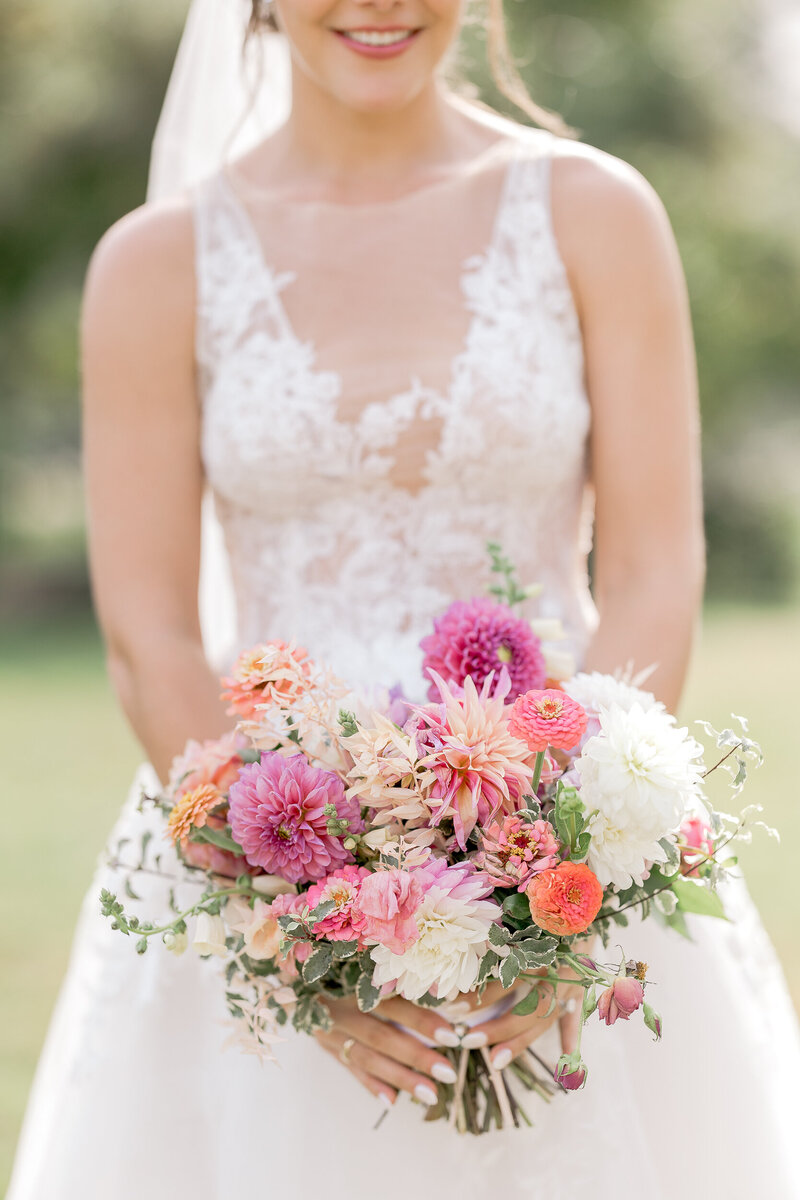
pixel 447 1037
pixel 425 1094
pixel 385 1100
pixel 473 1041
pixel 444 1073
pixel 501 1059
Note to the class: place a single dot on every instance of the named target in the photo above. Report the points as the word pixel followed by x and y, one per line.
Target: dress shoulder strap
pixel 526 232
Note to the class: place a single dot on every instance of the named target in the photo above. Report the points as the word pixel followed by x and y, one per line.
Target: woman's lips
pixel 388 49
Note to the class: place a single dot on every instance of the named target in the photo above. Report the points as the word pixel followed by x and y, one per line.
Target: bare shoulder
pixel 607 216
pixel 144 264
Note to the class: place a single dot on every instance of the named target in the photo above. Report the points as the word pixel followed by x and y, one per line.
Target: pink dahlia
pixel 547 718
pixel 346 922
pixel 476 638
pixel 480 767
pixel 513 850
pixel 277 815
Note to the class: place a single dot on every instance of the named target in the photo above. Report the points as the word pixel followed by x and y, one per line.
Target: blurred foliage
pixel 677 88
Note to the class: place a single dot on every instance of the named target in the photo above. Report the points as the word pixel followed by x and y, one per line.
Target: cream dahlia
pixel 639 777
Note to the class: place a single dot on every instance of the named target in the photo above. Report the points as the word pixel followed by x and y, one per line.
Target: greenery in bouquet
pixel 500 833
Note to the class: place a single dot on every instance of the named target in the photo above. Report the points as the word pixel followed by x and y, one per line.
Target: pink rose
pixel 698 841
pixel 620 1000
pixel 389 901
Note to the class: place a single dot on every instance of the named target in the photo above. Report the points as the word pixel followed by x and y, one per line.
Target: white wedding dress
pixel 385 387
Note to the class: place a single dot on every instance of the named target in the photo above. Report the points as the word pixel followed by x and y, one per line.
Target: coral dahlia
pixel 270 673
pixel 565 899
pixel 473 639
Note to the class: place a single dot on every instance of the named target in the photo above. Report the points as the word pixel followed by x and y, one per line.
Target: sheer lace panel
pixel 384 388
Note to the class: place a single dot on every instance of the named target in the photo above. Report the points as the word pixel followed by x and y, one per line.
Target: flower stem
pixel 537 771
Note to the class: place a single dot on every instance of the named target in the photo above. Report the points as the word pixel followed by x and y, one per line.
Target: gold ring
pixel 344 1053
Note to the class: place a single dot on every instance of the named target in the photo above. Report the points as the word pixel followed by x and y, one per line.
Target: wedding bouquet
pixel 499 832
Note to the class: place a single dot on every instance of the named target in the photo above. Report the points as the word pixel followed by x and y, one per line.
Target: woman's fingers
pixel 424 1021
pixel 334 1042
pixel 509 1035
pixel 383 1052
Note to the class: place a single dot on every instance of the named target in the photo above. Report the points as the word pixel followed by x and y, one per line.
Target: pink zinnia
pixel 515 849
pixel 346 922
pixel 480 637
pixel 547 718
pixel 620 1000
pixel 389 901
pixel 277 816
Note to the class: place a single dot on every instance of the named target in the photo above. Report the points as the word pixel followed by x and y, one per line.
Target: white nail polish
pixel 501 1059
pixel 426 1095
pixel 447 1037
pixel 444 1073
pixel 473 1041
pixel 385 1100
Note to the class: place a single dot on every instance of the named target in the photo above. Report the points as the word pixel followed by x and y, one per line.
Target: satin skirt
pixel 137 1096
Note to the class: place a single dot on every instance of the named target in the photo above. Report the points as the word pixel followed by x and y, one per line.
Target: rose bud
pixel 570 1076
pixel 620 1000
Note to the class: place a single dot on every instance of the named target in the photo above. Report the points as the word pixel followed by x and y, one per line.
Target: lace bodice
pixel 355 510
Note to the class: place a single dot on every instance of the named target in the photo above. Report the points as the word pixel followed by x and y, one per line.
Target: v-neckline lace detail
pixel 417 399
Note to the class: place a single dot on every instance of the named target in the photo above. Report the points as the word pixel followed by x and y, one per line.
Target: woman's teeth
pixel 375 38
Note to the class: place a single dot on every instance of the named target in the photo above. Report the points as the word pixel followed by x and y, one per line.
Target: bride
pixel 390 327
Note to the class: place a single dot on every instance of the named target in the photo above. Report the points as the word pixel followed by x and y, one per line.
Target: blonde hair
pixel 505 75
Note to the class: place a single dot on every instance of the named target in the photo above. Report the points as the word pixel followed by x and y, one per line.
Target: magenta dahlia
pixel 276 811
pixel 480 636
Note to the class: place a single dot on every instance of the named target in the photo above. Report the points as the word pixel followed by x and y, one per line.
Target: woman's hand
pixel 385 1059
pixel 507 1036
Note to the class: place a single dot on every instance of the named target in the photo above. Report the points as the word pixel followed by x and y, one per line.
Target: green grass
pixel 69 759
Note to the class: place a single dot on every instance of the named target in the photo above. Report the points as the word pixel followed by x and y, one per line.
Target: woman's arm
pixel 144 478
pixel 641 378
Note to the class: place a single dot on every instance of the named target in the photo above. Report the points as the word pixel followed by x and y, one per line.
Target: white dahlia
pixel 453 923
pixel 638 777
pixel 594 691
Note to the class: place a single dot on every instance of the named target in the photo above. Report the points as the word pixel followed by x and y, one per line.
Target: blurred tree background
pixel 683 90
pixel 699 95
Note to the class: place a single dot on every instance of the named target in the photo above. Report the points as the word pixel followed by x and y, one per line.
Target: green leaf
pixel 317 964
pixel 695 898
pixel 488 963
pixel 498 935
pixel 130 892
pixel 343 950
pixel 517 908
pixel 673 859
pixel 322 910
pixel 528 1004
pixel 217 837
pixel 510 968
pixel 367 994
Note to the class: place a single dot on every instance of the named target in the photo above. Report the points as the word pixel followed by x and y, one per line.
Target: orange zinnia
pixel 565 899
pixel 192 811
